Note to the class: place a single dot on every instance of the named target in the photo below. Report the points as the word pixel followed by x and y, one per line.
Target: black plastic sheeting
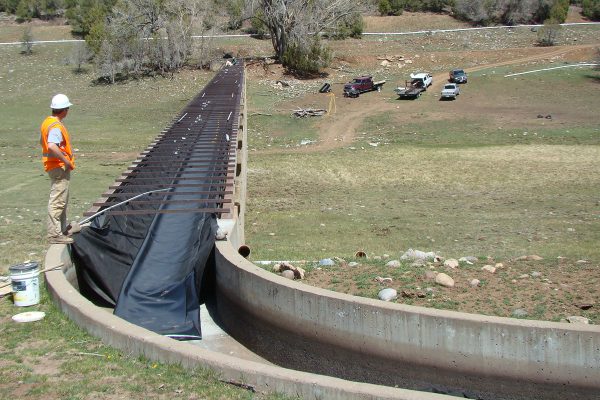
pixel 149 268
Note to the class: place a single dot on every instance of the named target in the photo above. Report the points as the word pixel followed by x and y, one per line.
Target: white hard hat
pixel 59 102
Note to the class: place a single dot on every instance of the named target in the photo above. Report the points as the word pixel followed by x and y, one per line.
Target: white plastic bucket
pixel 25 283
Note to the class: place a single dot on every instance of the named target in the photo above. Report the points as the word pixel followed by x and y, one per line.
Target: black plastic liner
pixel 149 262
pixel 149 268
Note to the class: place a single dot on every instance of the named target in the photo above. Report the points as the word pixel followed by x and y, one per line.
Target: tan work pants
pixel 57 204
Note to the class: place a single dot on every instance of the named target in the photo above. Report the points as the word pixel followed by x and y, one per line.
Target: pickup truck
pixel 458 76
pixel 417 85
pixel 450 91
pixel 360 85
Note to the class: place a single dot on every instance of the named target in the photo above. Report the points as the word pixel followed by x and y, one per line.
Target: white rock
pixel 289 274
pixel 388 294
pixel 411 254
pixel 451 263
pixel 393 264
pixel 353 264
pixel 326 262
pixel 578 320
pixel 488 268
pixel 520 313
pixel 444 280
pixel 221 234
pixel 468 260
pixel 532 257
pixel 474 282
pixel 430 274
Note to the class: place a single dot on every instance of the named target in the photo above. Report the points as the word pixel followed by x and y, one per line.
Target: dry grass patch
pixel 550 290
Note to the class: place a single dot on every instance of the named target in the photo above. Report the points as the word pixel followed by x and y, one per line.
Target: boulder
pixel 388 294
pixel 444 280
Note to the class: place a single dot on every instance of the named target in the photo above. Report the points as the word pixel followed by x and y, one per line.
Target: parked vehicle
pixel 450 91
pixel 458 76
pixel 417 85
pixel 360 85
pixel 423 77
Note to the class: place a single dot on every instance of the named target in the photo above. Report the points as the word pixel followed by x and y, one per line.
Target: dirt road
pixel 341 129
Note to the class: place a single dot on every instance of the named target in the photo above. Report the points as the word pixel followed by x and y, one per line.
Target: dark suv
pixel 458 76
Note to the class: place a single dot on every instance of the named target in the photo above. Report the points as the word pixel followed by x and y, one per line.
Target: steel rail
pixel 195 156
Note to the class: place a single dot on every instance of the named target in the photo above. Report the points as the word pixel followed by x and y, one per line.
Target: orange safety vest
pixel 51 162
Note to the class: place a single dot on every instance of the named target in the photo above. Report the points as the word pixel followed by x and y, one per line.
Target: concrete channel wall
pixel 528 359
pixel 494 357
pixel 137 341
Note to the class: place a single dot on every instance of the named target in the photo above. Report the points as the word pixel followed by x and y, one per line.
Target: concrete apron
pixel 355 335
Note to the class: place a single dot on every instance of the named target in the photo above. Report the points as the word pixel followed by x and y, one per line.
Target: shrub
pixel 548 33
pixel 591 9
pixel 306 60
pixel 391 7
pixel 559 11
pixel 27 42
pixel 352 26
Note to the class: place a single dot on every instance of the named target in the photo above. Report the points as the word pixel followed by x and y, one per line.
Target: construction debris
pixel 308 112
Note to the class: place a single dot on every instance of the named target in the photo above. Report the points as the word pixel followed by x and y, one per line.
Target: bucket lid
pixel 23 268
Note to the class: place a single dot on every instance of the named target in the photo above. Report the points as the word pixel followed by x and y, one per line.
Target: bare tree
pixel 80 55
pixel 295 21
pixel 27 41
pixel 142 36
pixel 476 11
pixel 509 12
pixel 548 34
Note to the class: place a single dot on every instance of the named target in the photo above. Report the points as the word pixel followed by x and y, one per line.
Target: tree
pixel 510 12
pixel 476 11
pixel 350 26
pixel 80 55
pixel 146 36
pixel 548 34
pixel 559 11
pixel 296 22
pixel 391 7
pixel 307 61
pixel 27 41
pixel 84 14
pixel 591 9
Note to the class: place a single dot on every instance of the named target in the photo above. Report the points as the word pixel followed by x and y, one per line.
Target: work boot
pixel 62 239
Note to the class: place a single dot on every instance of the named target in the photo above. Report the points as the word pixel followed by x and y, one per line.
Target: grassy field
pixel 55 359
pixel 482 176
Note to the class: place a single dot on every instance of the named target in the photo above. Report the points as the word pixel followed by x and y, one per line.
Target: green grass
pixel 498 183
pixel 53 358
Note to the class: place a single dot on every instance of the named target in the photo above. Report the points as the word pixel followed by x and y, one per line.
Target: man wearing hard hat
pixel 58 159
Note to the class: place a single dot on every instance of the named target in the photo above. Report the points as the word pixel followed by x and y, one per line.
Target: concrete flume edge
pixel 539 351
pixel 137 341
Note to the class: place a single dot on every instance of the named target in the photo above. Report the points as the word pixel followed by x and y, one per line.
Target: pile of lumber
pixel 308 112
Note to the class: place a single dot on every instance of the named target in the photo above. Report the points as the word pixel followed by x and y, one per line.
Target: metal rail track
pixel 195 158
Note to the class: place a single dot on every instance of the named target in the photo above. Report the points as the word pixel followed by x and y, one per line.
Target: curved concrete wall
pixel 137 341
pixel 500 357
